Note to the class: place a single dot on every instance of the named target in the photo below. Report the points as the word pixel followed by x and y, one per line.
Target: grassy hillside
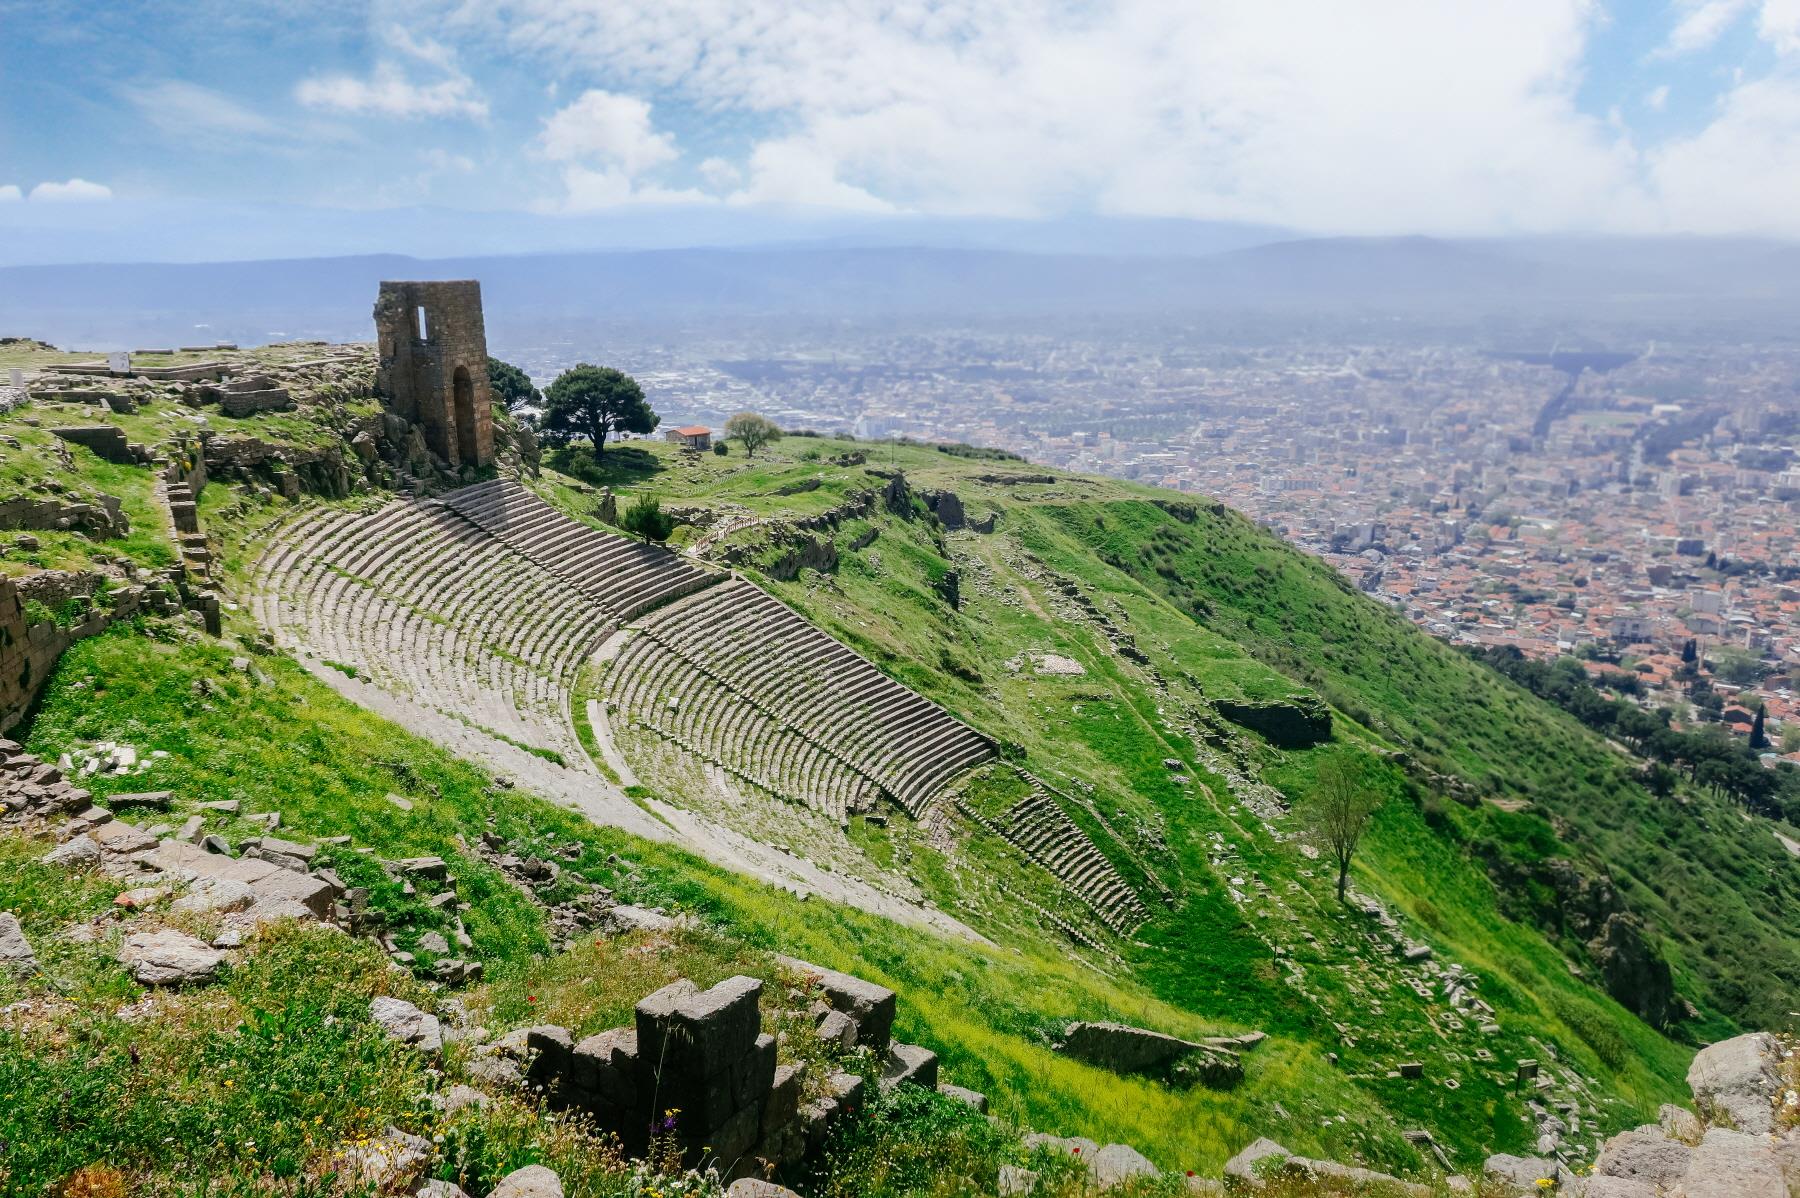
pixel 1272 947
pixel 291 745
pixel 1225 609
pixel 1093 634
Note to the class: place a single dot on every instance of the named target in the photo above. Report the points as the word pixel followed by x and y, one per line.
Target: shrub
pixel 645 518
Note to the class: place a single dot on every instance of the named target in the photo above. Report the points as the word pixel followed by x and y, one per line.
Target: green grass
pixel 1210 607
pixel 295 746
pixel 1219 609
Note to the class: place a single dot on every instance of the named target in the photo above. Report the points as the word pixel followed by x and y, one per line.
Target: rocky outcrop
pixel 1632 972
pixel 1646 1155
pixel 533 1181
pixel 16 954
pixel 169 957
pixel 783 551
pixel 947 507
pixel 1295 722
pixel 402 1021
pixel 319 471
pixel 1737 1080
pixel 1265 1160
pixel 896 493
pixel 1737 1086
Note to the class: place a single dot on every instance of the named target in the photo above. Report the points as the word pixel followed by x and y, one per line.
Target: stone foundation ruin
pixel 696 1070
pixel 432 366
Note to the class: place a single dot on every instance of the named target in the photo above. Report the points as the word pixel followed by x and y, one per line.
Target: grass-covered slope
pixel 1720 894
pixel 289 744
pixel 1246 926
pixel 1227 607
pixel 1092 634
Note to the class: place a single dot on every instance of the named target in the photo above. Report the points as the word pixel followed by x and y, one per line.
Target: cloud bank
pixel 1409 115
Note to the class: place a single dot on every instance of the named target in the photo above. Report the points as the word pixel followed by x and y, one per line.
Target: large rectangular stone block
pixel 872 1006
pixel 783 1101
pixel 605 1066
pixel 722 1024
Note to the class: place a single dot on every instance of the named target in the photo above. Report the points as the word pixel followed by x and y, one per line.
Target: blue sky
pixel 547 121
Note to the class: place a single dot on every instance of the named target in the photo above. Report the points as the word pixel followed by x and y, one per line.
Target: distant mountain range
pixel 1656 283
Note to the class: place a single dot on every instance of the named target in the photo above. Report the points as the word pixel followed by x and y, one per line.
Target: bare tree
pixel 1337 812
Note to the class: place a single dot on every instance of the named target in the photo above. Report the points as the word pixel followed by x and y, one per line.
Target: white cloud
pixel 1779 24
pixel 1657 98
pixel 389 91
pixel 720 174
pixel 74 191
pixel 1704 22
pixel 587 189
pixel 1742 172
pixel 10 193
pixel 607 144
pixel 606 127
pixel 445 162
pixel 185 109
pixel 801 172
pixel 1411 114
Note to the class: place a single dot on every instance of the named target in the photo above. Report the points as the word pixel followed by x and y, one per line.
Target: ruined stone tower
pixel 433 366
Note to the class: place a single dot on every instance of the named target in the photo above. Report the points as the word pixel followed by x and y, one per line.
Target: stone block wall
pixel 696 1069
pixel 106 440
pixel 102 519
pixel 431 367
pixel 28 651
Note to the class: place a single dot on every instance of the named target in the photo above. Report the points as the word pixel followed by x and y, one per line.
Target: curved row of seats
pixel 485 603
pixel 755 645
pixel 622 575
pixel 420 602
pixel 664 692
pixel 1045 833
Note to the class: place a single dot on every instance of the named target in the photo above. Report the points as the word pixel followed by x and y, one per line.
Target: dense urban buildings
pixel 1621 505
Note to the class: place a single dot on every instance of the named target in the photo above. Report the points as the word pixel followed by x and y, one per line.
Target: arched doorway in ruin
pixel 464 414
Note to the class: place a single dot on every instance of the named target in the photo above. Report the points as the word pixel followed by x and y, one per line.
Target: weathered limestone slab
pixel 16 955
pixel 1738 1077
pixel 168 957
pixel 402 1021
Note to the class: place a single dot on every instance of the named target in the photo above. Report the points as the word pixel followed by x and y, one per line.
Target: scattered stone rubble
pixel 1735 1148
pixel 1265 1160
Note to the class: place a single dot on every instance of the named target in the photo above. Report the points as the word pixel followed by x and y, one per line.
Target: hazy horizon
pixel 236 132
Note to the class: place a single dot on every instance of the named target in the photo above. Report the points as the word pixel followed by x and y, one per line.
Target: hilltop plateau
pixel 356 795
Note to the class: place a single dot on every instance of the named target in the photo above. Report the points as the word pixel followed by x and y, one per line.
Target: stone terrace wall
pixel 28 651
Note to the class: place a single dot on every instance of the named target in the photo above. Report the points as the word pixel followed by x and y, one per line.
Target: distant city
pixel 1619 504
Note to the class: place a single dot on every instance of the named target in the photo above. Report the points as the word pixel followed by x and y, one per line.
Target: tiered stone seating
pixel 484 605
pixel 420 602
pixel 663 692
pixel 622 575
pixel 850 733
pixel 1044 833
